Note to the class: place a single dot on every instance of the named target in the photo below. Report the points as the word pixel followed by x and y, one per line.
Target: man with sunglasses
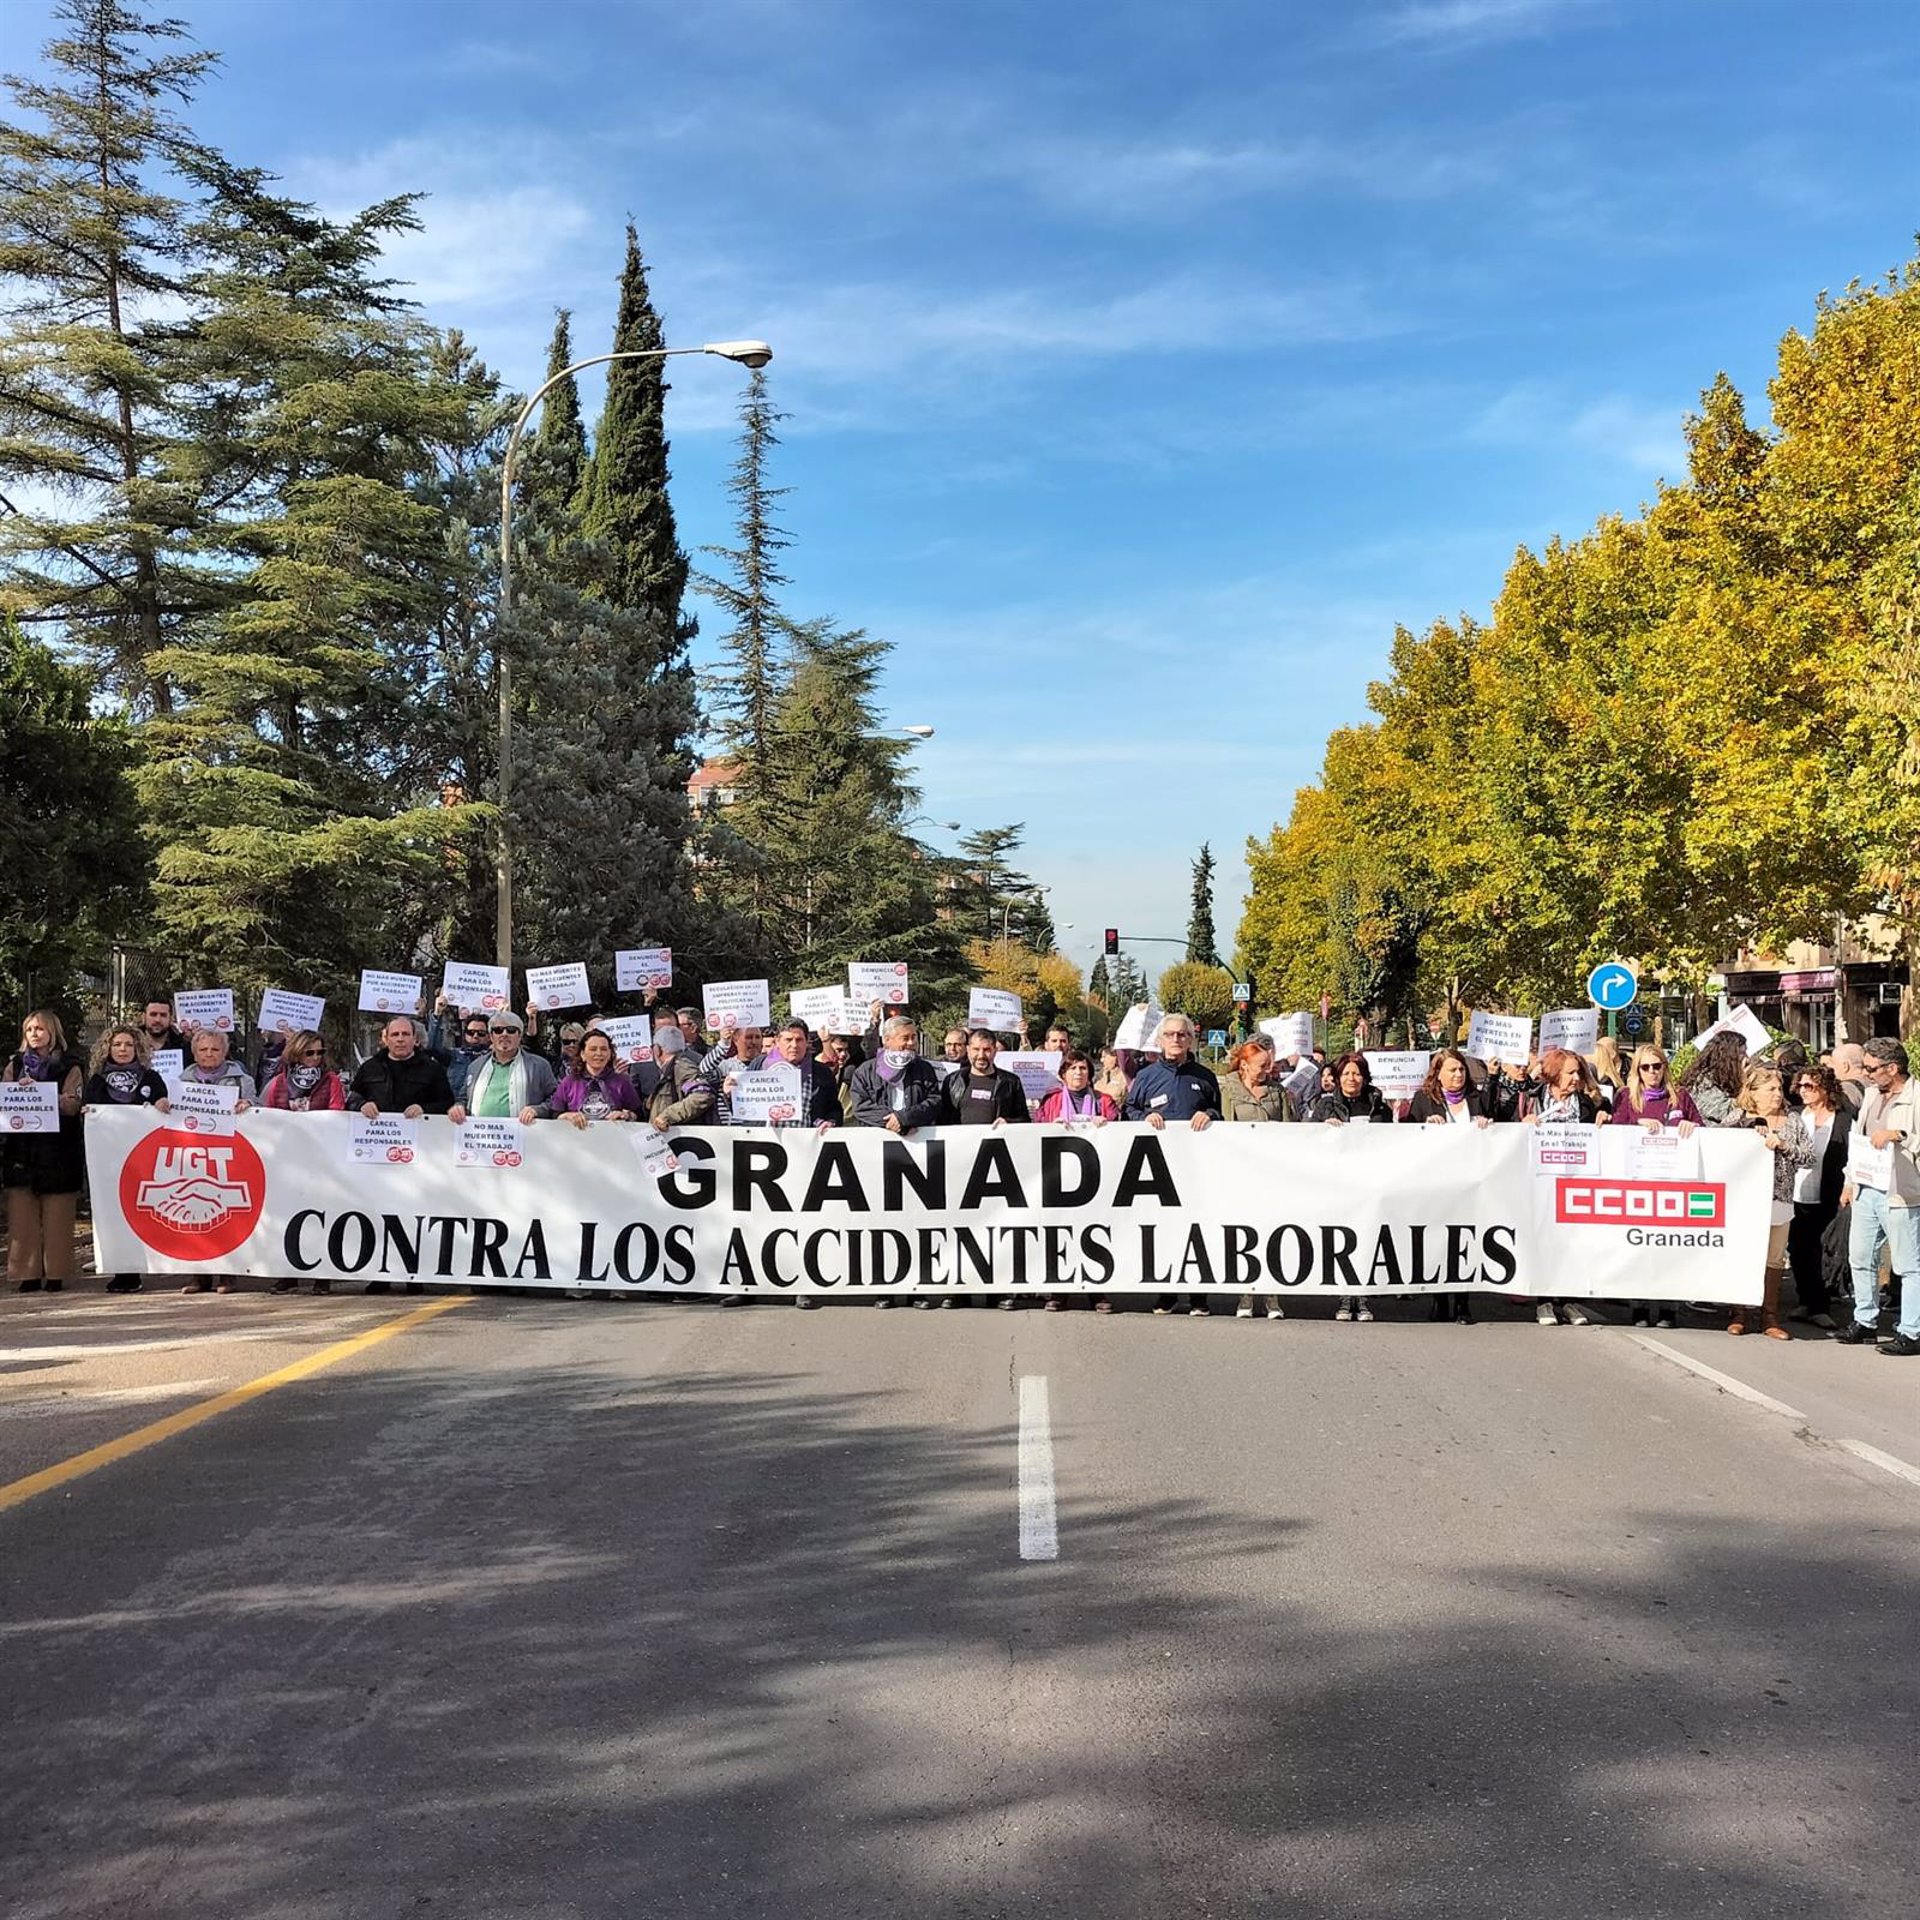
pixel 467 1052
pixel 1886 1201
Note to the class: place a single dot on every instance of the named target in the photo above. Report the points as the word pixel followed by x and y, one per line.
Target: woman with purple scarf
pixel 595 1088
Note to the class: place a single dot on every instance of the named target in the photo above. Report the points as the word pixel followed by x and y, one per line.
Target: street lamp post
pixel 746 353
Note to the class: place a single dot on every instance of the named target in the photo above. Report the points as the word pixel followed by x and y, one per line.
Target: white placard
pixel 204 1007
pixel 635 969
pixel 1564 1147
pixel 490 1143
pixel 1575 1028
pixel 1038 1073
pixel 1663 1155
pixel 390 992
pixel 169 1063
pixel 29 1106
pixel 1499 1036
pixel 657 1159
pixel 1398 1076
pixel 1868 1165
pixel 290 1013
pixel 632 1037
pixel 476 988
pixel 768 1094
pixel 1138 1028
pixel 1746 1023
pixel 882 980
pixel 200 1106
pixel 946 1069
pixel 994 1009
pixel 1291 1034
pixel 824 1009
pixel 730 1004
pixel 387 1140
pixel 550 988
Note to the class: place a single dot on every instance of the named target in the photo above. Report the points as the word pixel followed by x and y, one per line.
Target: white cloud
pixel 1462 22
pixel 1644 435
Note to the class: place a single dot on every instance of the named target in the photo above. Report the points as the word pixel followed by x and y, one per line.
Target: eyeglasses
pixel 1653 1066
pixel 313 1053
pixel 506 1029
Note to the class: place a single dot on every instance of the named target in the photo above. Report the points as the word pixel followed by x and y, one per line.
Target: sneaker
pixel 805 1300
pixel 1858 1333
pixel 1163 1309
pixel 1275 1311
pixel 1641 1318
pixel 1579 1317
pixel 1363 1311
pixel 1200 1311
pixel 1244 1311
pixel 1103 1306
pixel 1545 1314
pixel 1669 1321
pixel 1344 1311
pixel 125 1283
pixel 1903 1346
pixel 889 1301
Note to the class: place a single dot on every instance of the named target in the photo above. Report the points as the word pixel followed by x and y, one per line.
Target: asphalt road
pixel 542 1608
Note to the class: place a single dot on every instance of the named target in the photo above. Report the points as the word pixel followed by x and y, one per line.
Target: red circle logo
pixel 17 1121
pixel 399 1156
pixel 502 1158
pixel 223 1024
pixel 189 1198
pixel 553 999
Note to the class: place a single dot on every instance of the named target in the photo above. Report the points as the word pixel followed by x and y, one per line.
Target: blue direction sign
pixel 1611 986
pixel 1633 1023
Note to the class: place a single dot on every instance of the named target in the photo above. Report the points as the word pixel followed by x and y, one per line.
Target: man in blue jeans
pixel 1885 1199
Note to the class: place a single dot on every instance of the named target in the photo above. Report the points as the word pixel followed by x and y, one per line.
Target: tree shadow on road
pixel 572 1642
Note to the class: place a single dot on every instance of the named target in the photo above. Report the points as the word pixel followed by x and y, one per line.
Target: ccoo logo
pixel 191 1198
pixel 1640 1203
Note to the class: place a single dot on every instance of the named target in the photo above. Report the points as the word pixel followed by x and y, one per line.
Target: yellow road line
pixel 20 1491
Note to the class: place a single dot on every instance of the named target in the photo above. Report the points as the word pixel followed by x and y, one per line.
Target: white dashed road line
pixel 1039 1529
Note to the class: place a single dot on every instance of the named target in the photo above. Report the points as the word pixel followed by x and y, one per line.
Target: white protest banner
pixel 1398 1076
pixel 882 980
pixel 768 1094
pixel 290 1013
pixel 946 1069
pixel 561 986
pixel 1138 1026
pixel 824 1009
pixel 1291 1033
pixel 1868 1165
pixel 489 1143
pixel 475 988
pixel 1317 1212
pixel 387 1140
pixel 29 1106
pixel 631 1036
pixel 200 1106
pixel 1661 1156
pixel 1564 1146
pixel 204 1007
pixel 635 969
pixel 169 1063
pixel 390 992
pixel 997 1011
pixel 1038 1073
pixel 1575 1028
pixel 1499 1036
pixel 657 1157
pixel 1746 1023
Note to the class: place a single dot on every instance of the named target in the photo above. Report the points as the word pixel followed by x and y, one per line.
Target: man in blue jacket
pixel 1175 1087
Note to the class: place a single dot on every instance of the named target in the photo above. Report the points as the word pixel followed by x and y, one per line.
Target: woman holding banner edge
pixel 1561 1097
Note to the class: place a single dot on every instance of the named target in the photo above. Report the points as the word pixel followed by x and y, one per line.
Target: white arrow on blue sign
pixel 1611 986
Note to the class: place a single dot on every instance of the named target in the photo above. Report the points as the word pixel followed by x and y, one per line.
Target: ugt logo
pixel 192 1198
pixel 1640 1203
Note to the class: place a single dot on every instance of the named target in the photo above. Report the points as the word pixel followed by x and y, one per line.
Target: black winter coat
pixel 48 1162
pixel 393 1085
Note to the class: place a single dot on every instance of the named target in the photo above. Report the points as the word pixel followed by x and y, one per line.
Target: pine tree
pixel 624 507
pixel 985 854
pixel 1200 936
pixel 74 878
pixel 747 691
pixel 95 249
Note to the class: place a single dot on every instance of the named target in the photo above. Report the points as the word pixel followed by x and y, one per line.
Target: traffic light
pixel 1113 943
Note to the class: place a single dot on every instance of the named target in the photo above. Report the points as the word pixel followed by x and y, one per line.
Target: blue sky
pixel 1146 364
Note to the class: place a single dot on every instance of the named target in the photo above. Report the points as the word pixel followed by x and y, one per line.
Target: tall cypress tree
pixel 1200 936
pixel 747 691
pixel 625 508
pixel 555 454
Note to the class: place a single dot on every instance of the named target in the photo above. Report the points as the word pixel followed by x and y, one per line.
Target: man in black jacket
pixel 896 1089
pixel 402 1077
pixel 983 1095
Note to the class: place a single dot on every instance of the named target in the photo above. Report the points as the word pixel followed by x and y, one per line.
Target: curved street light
pixel 745 353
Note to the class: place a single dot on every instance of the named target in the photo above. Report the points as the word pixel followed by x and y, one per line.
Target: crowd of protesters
pixel 1828 1234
